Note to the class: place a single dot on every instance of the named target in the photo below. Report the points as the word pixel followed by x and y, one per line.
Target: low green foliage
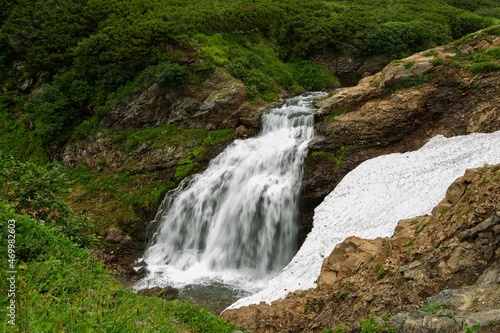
pixel 379 270
pixel 484 67
pixel 408 64
pixel 119 200
pixel 336 157
pixel 371 325
pixel 472 329
pixel 432 308
pixel 63 287
pixel 436 61
pixel 37 191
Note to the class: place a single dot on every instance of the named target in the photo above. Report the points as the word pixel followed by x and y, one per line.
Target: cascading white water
pixel 236 222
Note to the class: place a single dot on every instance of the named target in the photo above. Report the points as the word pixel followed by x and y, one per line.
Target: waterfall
pixel 236 222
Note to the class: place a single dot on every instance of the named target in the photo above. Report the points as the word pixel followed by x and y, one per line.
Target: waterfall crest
pixel 236 222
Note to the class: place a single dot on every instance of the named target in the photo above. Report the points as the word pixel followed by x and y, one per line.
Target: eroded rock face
pixel 397 110
pixel 218 103
pixel 456 250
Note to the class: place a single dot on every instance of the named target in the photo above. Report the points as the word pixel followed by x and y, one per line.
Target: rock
pixel 242 132
pixel 216 104
pixel 347 258
pixel 168 293
pixel 419 322
pixel 491 276
pixel 483 318
pixel 114 235
pixel 455 191
pixel 451 299
pixel 126 240
pixel 347 97
pixel 485 226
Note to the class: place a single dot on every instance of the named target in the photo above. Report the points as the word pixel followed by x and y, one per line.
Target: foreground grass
pixel 61 288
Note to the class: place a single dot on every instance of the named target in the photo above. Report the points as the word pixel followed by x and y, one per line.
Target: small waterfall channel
pixel 235 224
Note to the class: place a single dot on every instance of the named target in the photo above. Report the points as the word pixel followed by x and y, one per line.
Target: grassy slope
pixel 61 288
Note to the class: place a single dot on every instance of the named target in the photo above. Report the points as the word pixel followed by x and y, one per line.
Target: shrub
pixel 312 76
pixel 467 23
pixel 400 38
pixel 171 74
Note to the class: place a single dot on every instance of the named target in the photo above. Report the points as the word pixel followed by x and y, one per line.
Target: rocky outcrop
pixel 219 102
pixel 399 109
pixel 437 273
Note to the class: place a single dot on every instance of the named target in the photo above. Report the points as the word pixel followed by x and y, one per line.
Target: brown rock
pixel 114 235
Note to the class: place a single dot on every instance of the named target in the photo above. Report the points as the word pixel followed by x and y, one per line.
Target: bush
pixel 312 76
pixel 401 38
pixel 170 74
pixel 467 23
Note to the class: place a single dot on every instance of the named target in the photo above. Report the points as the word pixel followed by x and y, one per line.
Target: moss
pixel 336 156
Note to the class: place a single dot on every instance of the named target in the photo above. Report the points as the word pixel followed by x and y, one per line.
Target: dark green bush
pixel 312 76
pixel 171 74
pixel 467 23
pixel 402 38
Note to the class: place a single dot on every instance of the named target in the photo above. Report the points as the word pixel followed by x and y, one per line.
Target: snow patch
pixel 372 198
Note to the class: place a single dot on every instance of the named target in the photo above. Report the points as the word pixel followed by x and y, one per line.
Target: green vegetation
pixel 480 61
pixel 372 325
pixel 62 288
pixel 78 54
pixel 119 200
pixel 472 329
pixel 37 192
pixel 432 308
pixel 379 270
pixel 336 157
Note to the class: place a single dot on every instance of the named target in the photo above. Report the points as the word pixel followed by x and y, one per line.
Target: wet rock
pixel 243 132
pixel 168 293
